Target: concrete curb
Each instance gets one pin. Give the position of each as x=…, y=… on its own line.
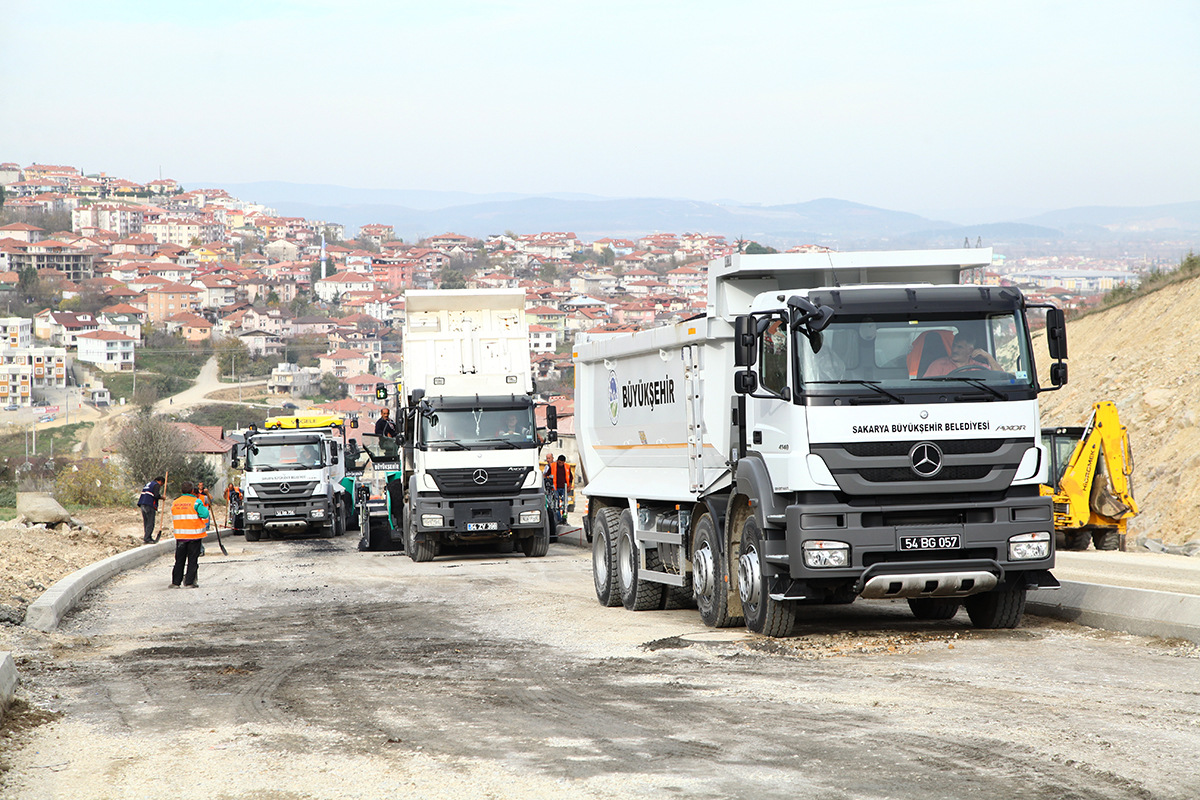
x=572, y=536
x=1139, y=611
x=47, y=611
x=8, y=683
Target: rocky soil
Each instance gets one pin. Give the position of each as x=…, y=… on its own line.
x=1145, y=357
x=33, y=558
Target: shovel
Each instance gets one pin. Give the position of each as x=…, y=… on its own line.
x=162, y=510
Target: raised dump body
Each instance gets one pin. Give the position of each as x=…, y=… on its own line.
x=813, y=439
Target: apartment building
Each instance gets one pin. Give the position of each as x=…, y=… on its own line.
x=24, y=369
x=109, y=351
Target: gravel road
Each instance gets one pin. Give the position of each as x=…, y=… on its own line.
x=305, y=669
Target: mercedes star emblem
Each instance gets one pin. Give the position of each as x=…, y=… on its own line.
x=926, y=458
x=284, y=488
x=479, y=476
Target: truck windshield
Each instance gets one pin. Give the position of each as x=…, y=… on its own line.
x=477, y=428
x=891, y=355
x=292, y=454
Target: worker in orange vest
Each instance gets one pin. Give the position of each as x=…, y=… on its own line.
x=188, y=515
x=561, y=480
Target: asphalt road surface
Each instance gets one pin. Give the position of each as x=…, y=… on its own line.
x=306, y=669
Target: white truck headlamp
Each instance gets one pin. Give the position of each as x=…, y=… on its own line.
x=317, y=513
x=823, y=553
x=433, y=520
x=1029, y=546
x=253, y=516
x=530, y=517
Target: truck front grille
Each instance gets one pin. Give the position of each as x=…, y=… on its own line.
x=479, y=481
x=886, y=468
x=276, y=491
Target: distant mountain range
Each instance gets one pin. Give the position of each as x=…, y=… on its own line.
x=836, y=223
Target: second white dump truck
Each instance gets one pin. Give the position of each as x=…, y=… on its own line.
x=466, y=468
x=837, y=425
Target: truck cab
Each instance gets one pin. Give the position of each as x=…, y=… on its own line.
x=294, y=478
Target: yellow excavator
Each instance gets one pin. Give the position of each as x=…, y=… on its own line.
x=1092, y=468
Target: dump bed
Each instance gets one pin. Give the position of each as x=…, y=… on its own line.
x=464, y=342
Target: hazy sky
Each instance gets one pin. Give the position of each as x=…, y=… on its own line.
x=914, y=105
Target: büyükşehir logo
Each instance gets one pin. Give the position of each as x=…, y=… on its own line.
x=614, y=397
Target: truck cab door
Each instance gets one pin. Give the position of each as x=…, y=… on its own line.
x=769, y=410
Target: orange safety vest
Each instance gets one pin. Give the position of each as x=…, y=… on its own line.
x=188, y=523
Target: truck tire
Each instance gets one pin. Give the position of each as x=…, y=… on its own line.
x=506, y=545
x=1106, y=539
x=604, y=560
x=999, y=608
x=709, y=578
x=636, y=594
x=934, y=607
x=417, y=550
x=763, y=615
x=252, y=534
x=1078, y=540
x=538, y=545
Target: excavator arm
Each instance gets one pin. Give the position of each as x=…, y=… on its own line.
x=1095, y=489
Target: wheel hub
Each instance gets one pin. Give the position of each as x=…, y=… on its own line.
x=749, y=577
x=702, y=571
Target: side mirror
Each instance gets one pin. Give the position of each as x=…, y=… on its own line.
x=353, y=422
x=551, y=436
x=1058, y=374
x=745, y=341
x=745, y=381
x=234, y=463
x=1056, y=333
x=552, y=417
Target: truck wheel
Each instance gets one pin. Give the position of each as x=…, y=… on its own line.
x=1078, y=540
x=419, y=551
x=604, y=560
x=252, y=534
x=1106, y=539
x=709, y=578
x=934, y=607
x=537, y=545
x=999, y=608
x=636, y=594
x=763, y=615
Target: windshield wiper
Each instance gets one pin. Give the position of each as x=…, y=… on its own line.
x=453, y=444
x=873, y=385
x=973, y=381
x=508, y=442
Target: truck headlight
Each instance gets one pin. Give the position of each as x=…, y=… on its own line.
x=1029, y=546
x=530, y=517
x=433, y=520
x=253, y=516
x=318, y=513
x=823, y=553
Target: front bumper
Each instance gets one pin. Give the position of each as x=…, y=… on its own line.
x=480, y=517
x=299, y=515
x=878, y=567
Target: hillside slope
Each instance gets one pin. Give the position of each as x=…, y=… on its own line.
x=1145, y=357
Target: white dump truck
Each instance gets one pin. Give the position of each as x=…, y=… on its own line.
x=465, y=465
x=294, y=479
x=837, y=425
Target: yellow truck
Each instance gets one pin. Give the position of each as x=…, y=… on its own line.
x=1092, y=468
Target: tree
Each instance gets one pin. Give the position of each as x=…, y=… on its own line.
x=452, y=279
x=27, y=280
x=754, y=248
x=230, y=352
x=548, y=273
x=273, y=298
x=332, y=387
x=150, y=446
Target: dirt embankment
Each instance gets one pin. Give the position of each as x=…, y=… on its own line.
x=1145, y=357
x=34, y=558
